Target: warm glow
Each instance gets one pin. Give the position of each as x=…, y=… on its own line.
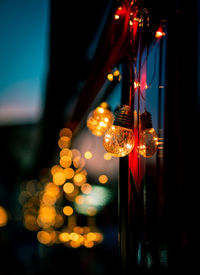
x=69, y=173
x=3, y=217
x=48, y=212
x=55, y=169
x=79, y=199
x=48, y=199
x=128, y=146
x=44, y=237
x=71, y=196
x=102, y=124
x=59, y=178
x=99, y=237
x=80, y=236
x=79, y=162
x=42, y=200
x=88, y=243
x=75, y=153
x=116, y=16
x=88, y=155
x=159, y=33
x=59, y=221
x=64, y=237
x=66, y=152
x=119, y=141
x=136, y=84
x=78, y=230
x=64, y=142
x=74, y=244
x=103, y=179
x=148, y=143
x=100, y=119
x=86, y=229
x=74, y=236
x=68, y=210
x=107, y=156
x=68, y=187
x=65, y=132
x=91, y=236
x=100, y=110
x=52, y=190
x=91, y=211
x=46, y=216
x=110, y=77
x=116, y=73
x=65, y=161
x=79, y=179
x=86, y=188
x=30, y=222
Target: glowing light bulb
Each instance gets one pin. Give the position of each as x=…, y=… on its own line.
x=100, y=119
x=148, y=144
x=119, y=139
x=159, y=33
x=110, y=77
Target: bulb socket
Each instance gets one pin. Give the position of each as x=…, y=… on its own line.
x=145, y=120
x=124, y=117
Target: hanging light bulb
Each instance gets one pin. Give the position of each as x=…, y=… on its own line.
x=148, y=144
x=119, y=138
x=100, y=119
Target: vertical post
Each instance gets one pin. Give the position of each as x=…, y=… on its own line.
x=124, y=241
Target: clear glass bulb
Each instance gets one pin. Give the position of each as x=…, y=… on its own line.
x=118, y=141
x=148, y=145
x=99, y=120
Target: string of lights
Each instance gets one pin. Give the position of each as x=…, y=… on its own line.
x=117, y=136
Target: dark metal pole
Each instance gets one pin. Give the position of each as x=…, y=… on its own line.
x=124, y=241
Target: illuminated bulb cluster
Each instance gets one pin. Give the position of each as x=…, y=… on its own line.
x=71, y=236
x=80, y=236
x=100, y=119
x=112, y=76
x=41, y=199
x=148, y=142
x=119, y=139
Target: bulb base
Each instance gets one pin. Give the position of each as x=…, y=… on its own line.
x=145, y=120
x=124, y=117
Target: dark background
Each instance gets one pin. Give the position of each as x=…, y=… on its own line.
x=26, y=148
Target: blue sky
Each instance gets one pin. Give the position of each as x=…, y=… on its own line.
x=24, y=35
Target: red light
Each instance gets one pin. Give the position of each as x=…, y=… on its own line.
x=136, y=84
x=135, y=163
x=159, y=33
x=121, y=11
